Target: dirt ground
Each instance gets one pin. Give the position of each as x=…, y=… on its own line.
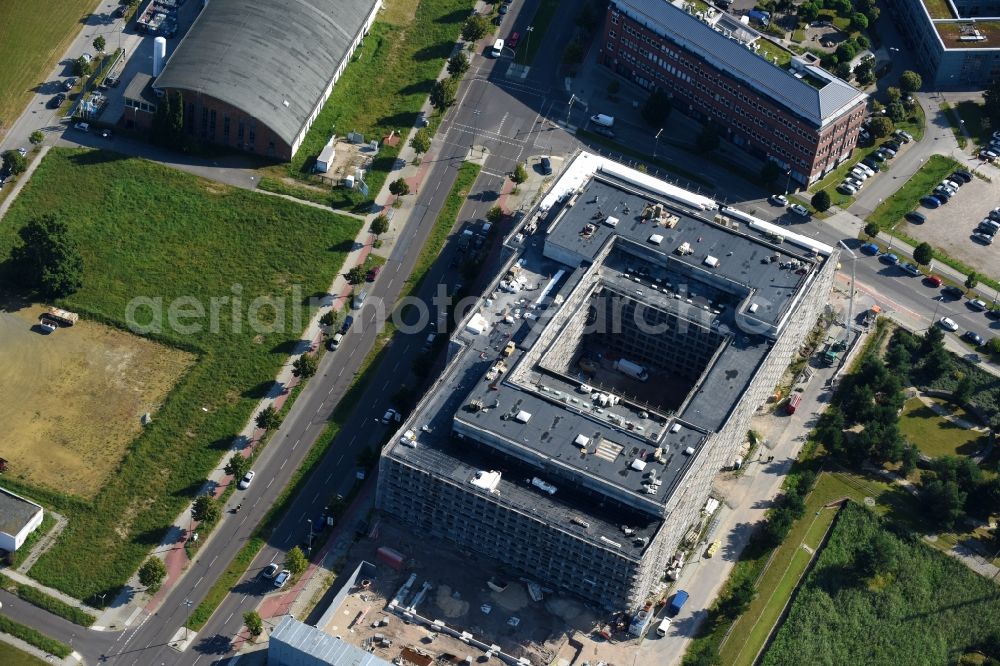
x=72, y=400
x=553, y=630
x=950, y=227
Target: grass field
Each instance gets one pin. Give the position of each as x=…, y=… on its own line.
x=383, y=88
x=148, y=231
x=11, y=656
x=31, y=43
x=935, y=435
x=919, y=607
x=82, y=391
x=907, y=197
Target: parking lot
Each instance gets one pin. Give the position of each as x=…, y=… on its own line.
x=950, y=227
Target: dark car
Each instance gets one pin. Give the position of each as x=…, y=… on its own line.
x=963, y=176
x=503, y=9
x=546, y=165
x=941, y=199
x=916, y=217
x=930, y=202
x=941, y=192
x=878, y=156
x=348, y=320
x=973, y=337
x=604, y=131
x=871, y=164
x=372, y=273
x=870, y=248
x=994, y=313
x=892, y=145
x=953, y=291
x=57, y=101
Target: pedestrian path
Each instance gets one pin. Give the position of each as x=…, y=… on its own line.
x=22, y=180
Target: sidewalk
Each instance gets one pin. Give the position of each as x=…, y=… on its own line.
x=34, y=161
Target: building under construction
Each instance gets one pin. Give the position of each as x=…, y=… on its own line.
x=607, y=375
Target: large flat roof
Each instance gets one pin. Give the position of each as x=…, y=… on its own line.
x=536, y=418
x=817, y=106
x=15, y=512
x=317, y=646
x=273, y=60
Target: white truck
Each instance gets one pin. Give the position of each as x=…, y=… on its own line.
x=633, y=370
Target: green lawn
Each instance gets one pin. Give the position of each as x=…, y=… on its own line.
x=836, y=177
x=976, y=122
x=907, y=197
x=935, y=435
x=11, y=656
x=771, y=51
x=382, y=89
x=919, y=607
x=146, y=230
x=914, y=122
x=31, y=43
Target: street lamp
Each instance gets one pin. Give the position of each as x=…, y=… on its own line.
x=310, y=546
x=850, y=302
x=788, y=180
x=657, y=143
x=475, y=130
x=188, y=603
x=527, y=39
x=569, y=107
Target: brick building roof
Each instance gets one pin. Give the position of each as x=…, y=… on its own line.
x=272, y=59
x=816, y=105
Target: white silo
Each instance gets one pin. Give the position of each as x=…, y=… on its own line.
x=159, y=54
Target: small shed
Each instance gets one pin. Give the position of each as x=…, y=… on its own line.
x=326, y=157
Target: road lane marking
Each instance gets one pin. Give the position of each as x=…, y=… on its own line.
x=213, y=561
x=282, y=464
x=196, y=584
x=269, y=483
x=340, y=458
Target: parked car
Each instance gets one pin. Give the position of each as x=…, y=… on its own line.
x=859, y=173
x=942, y=192
x=911, y=268
x=864, y=167
x=973, y=337
x=546, y=165
x=870, y=248
x=390, y=416
x=889, y=258
x=847, y=189
x=887, y=150
x=878, y=156
x=985, y=239
x=916, y=217
x=933, y=280
x=514, y=38
x=799, y=209
x=953, y=184
x=270, y=571
x=373, y=273
x=987, y=155
x=69, y=83
x=854, y=181
x=871, y=163
x=964, y=176
x=942, y=199
x=604, y=131
x=948, y=324
x=953, y=291
x=929, y=201
x=57, y=100
x=905, y=136
x=246, y=480
x=778, y=200
x=282, y=578
x=348, y=320
x=977, y=305
x=891, y=145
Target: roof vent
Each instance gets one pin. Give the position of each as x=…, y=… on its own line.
x=285, y=103
x=638, y=465
x=711, y=261
x=656, y=239
x=523, y=416
x=611, y=221
x=581, y=440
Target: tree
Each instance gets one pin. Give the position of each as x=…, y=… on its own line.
x=520, y=173
x=842, y=7
x=48, y=259
x=910, y=81
x=328, y=319
x=268, y=418
x=846, y=52
x=865, y=71
x=356, y=275
x=738, y=599
x=238, y=466
x=168, y=121
x=821, y=201
x=859, y=21
x=991, y=103
x=36, y=138
x=82, y=66
x=254, y=623
x=458, y=64
x=910, y=458
x=972, y=280
x=475, y=28
x=932, y=339
x=656, y=108
x=151, y=574
x=963, y=390
x=295, y=561
x=993, y=347
x=380, y=225
x=843, y=70
x=205, y=509
x=99, y=43
x=808, y=12
x=399, y=187
x=443, y=93
x=708, y=138
x=871, y=230
x=893, y=94
x=896, y=111
x=943, y=501
x=494, y=215
x=878, y=556
x=923, y=254
x=421, y=141
x=305, y=366
x=15, y=162
x=881, y=127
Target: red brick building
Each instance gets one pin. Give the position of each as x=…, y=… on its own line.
x=803, y=118
x=255, y=75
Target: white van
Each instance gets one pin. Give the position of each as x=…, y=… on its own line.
x=497, y=48
x=603, y=120
x=335, y=341
x=664, y=625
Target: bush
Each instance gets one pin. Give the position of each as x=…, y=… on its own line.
x=151, y=574
x=55, y=606
x=458, y=64
x=821, y=201
x=910, y=81
x=475, y=28
x=295, y=561
x=15, y=162
x=33, y=637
